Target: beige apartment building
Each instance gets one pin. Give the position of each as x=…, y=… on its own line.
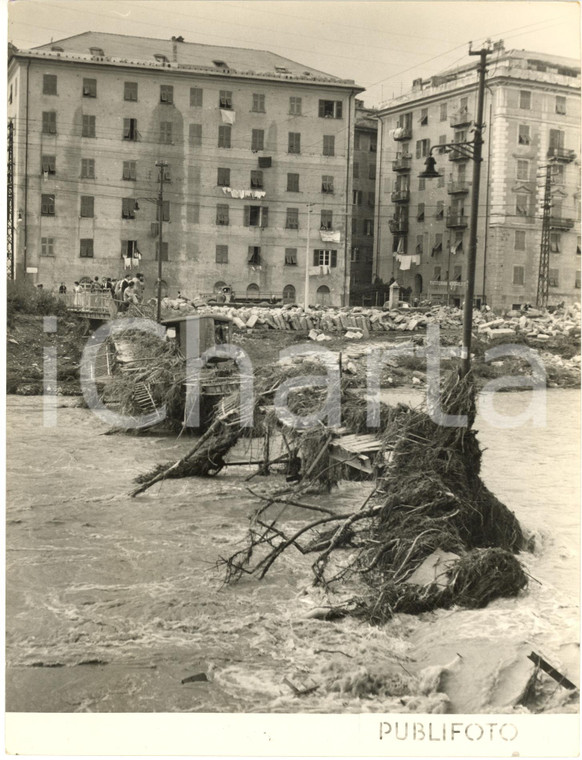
x=532, y=120
x=257, y=147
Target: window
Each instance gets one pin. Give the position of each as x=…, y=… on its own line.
x=128, y=208
x=196, y=97
x=329, y=145
x=420, y=213
x=424, y=117
x=519, y=241
x=577, y=280
x=522, y=169
x=442, y=141
x=254, y=258
x=372, y=199
x=256, y=178
x=330, y=109
x=166, y=128
x=440, y=210
x=49, y=84
x=421, y=183
x=221, y=256
x=257, y=139
x=47, y=246
x=554, y=278
x=256, y=216
x=89, y=88
x=129, y=170
x=224, y=133
x=290, y=257
x=358, y=141
x=525, y=100
x=295, y=106
x=294, y=144
x=165, y=253
x=357, y=197
x=518, y=275
x=356, y=170
x=438, y=243
x=292, y=183
x=354, y=226
x=195, y=135
x=96, y=51
x=166, y=94
x=419, y=243
x=372, y=171
x=437, y=273
x=561, y=104
x=521, y=205
x=368, y=227
x=326, y=219
x=355, y=254
x=373, y=145
x=292, y=219
x=48, y=164
x=324, y=258
x=128, y=248
x=327, y=184
x=87, y=206
x=88, y=129
x=258, y=103
x=458, y=272
x=443, y=112
x=130, y=91
x=556, y=138
x=223, y=177
x=422, y=148
x=555, y=242
x=222, y=215
x=165, y=212
x=47, y=205
x=87, y=168
x=225, y=99
x=558, y=174
x=130, y=129
x=523, y=135
x=289, y=294
x=86, y=248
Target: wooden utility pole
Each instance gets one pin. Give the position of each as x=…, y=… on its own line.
x=162, y=165
x=307, y=259
x=10, y=203
x=544, y=270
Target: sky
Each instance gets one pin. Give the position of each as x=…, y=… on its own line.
x=381, y=45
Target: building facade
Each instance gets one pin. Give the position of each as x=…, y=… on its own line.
x=363, y=204
x=255, y=146
x=532, y=121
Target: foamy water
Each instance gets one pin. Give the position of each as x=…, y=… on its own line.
x=113, y=601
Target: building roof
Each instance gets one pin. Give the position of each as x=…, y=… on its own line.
x=177, y=54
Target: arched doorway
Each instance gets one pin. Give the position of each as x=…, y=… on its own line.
x=417, y=284
x=289, y=294
x=253, y=291
x=163, y=289
x=323, y=296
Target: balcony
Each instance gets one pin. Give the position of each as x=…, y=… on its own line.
x=400, y=196
x=461, y=118
x=564, y=155
x=456, y=219
x=458, y=188
x=398, y=226
x=561, y=223
x=403, y=133
x=458, y=154
x=402, y=163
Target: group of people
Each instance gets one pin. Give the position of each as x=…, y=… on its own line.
x=128, y=290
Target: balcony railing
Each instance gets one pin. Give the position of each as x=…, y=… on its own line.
x=403, y=133
x=456, y=219
x=458, y=154
x=458, y=188
x=398, y=226
x=461, y=118
x=561, y=223
x=400, y=196
x=402, y=164
x=562, y=154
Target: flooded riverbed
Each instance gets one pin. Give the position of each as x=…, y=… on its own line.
x=112, y=602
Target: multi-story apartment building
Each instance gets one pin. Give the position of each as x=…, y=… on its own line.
x=532, y=119
x=363, y=203
x=254, y=143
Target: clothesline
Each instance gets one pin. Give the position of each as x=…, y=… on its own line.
x=257, y=194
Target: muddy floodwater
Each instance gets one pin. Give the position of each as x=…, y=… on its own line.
x=112, y=602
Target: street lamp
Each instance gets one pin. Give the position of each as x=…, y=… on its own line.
x=472, y=150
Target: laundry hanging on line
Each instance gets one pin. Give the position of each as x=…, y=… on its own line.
x=228, y=117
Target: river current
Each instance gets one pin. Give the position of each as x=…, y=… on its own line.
x=113, y=602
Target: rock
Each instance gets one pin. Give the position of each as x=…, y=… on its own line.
x=313, y=334
x=415, y=381
x=503, y=332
